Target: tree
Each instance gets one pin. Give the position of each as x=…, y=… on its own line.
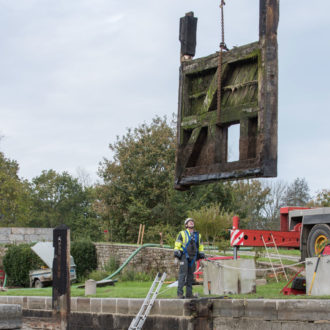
x=138, y=186
x=249, y=198
x=138, y=181
x=273, y=203
x=212, y=222
x=14, y=194
x=60, y=198
x=297, y=193
x=322, y=199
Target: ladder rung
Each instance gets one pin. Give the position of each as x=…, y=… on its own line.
x=140, y=318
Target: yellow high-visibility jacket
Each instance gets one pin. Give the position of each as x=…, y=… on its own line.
x=183, y=239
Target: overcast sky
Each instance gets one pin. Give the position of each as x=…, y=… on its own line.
x=77, y=73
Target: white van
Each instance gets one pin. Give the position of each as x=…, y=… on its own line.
x=44, y=276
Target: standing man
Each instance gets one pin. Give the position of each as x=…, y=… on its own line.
x=188, y=249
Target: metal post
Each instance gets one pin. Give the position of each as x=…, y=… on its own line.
x=235, y=226
x=235, y=252
x=61, y=276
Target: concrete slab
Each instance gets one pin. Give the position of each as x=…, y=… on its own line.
x=303, y=310
x=134, y=306
x=73, y=304
x=321, y=285
x=96, y=305
x=49, y=303
x=260, y=308
x=18, y=300
x=229, y=276
x=304, y=326
x=83, y=305
x=122, y=306
x=172, y=307
x=109, y=305
x=222, y=323
x=3, y=299
x=36, y=303
x=228, y=307
x=10, y=316
x=155, y=310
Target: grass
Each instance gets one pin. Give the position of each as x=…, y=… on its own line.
x=275, y=261
x=129, y=289
x=292, y=252
x=140, y=289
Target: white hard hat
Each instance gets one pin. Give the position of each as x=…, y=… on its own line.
x=187, y=220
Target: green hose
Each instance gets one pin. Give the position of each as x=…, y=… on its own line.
x=130, y=258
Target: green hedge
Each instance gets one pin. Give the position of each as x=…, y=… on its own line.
x=18, y=261
x=84, y=255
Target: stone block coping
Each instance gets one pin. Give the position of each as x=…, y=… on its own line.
x=263, y=309
x=10, y=316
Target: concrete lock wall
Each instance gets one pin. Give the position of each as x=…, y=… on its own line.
x=10, y=316
x=196, y=314
x=253, y=314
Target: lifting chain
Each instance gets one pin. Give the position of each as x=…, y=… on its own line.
x=222, y=48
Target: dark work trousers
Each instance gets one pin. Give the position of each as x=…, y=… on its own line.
x=186, y=276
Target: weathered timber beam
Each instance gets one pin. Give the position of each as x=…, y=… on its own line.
x=241, y=53
x=268, y=93
x=241, y=85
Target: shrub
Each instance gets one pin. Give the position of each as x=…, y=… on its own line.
x=223, y=245
x=169, y=233
x=98, y=275
x=112, y=265
x=18, y=261
x=212, y=222
x=84, y=255
x=130, y=274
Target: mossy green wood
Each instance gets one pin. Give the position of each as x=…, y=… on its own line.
x=248, y=98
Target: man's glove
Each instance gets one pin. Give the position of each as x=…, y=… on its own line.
x=201, y=255
x=177, y=254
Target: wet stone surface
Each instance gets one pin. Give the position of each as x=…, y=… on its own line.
x=37, y=323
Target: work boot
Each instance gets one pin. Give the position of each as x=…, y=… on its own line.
x=180, y=296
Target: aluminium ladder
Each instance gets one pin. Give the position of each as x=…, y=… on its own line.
x=278, y=257
x=140, y=318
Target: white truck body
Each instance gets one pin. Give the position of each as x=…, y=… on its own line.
x=44, y=276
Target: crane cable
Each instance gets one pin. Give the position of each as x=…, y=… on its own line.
x=223, y=47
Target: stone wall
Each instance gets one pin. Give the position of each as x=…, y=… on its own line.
x=149, y=259
x=9, y=235
x=279, y=314
x=10, y=316
x=195, y=314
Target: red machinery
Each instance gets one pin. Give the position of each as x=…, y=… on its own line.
x=2, y=277
x=303, y=228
